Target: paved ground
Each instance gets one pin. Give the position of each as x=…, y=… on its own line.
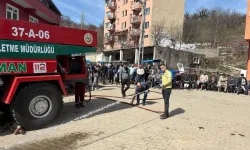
x=200, y=120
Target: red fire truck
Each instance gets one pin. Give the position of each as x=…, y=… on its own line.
x=36, y=62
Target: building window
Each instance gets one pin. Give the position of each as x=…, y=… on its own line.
x=107, y=25
x=196, y=60
x=12, y=12
x=125, y=1
x=146, y=25
x=124, y=25
x=33, y=19
x=106, y=35
x=124, y=13
x=147, y=11
x=108, y=14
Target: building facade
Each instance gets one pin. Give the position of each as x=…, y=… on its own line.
x=123, y=20
x=36, y=11
x=247, y=37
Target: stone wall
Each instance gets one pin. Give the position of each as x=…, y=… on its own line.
x=172, y=57
x=209, y=53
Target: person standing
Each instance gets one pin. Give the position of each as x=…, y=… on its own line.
x=140, y=74
x=124, y=77
x=166, y=90
x=96, y=78
x=111, y=73
x=117, y=72
x=132, y=73
x=173, y=77
x=147, y=71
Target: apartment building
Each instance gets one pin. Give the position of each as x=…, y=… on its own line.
x=36, y=11
x=123, y=20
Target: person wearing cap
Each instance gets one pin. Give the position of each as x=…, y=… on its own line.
x=166, y=90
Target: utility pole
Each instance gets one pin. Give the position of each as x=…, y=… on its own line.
x=82, y=19
x=141, y=42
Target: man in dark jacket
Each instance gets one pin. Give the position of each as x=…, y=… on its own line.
x=111, y=73
x=242, y=84
x=194, y=79
x=147, y=71
x=124, y=77
x=141, y=87
x=186, y=81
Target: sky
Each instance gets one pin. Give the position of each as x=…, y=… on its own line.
x=94, y=9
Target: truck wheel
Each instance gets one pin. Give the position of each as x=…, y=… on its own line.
x=36, y=105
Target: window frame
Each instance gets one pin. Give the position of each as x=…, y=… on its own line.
x=146, y=27
x=34, y=18
x=12, y=11
x=147, y=11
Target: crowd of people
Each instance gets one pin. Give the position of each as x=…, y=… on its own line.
x=121, y=74
x=213, y=82
x=125, y=75
x=147, y=76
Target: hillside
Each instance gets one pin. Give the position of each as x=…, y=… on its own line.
x=222, y=29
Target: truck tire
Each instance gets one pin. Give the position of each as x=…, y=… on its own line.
x=36, y=105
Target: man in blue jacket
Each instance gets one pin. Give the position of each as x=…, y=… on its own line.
x=141, y=87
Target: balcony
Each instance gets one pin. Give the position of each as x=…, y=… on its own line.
x=137, y=6
x=111, y=16
x=108, y=39
x=135, y=20
x=111, y=27
x=111, y=5
x=135, y=32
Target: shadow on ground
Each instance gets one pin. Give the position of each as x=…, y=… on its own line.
x=151, y=102
x=70, y=113
x=177, y=111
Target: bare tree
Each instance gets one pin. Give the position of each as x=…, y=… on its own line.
x=157, y=32
x=157, y=35
x=100, y=37
x=175, y=34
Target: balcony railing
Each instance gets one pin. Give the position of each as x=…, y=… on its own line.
x=111, y=16
x=135, y=32
x=111, y=5
x=111, y=27
x=137, y=6
x=135, y=20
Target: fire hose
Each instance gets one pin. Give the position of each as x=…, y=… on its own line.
x=127, y=97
